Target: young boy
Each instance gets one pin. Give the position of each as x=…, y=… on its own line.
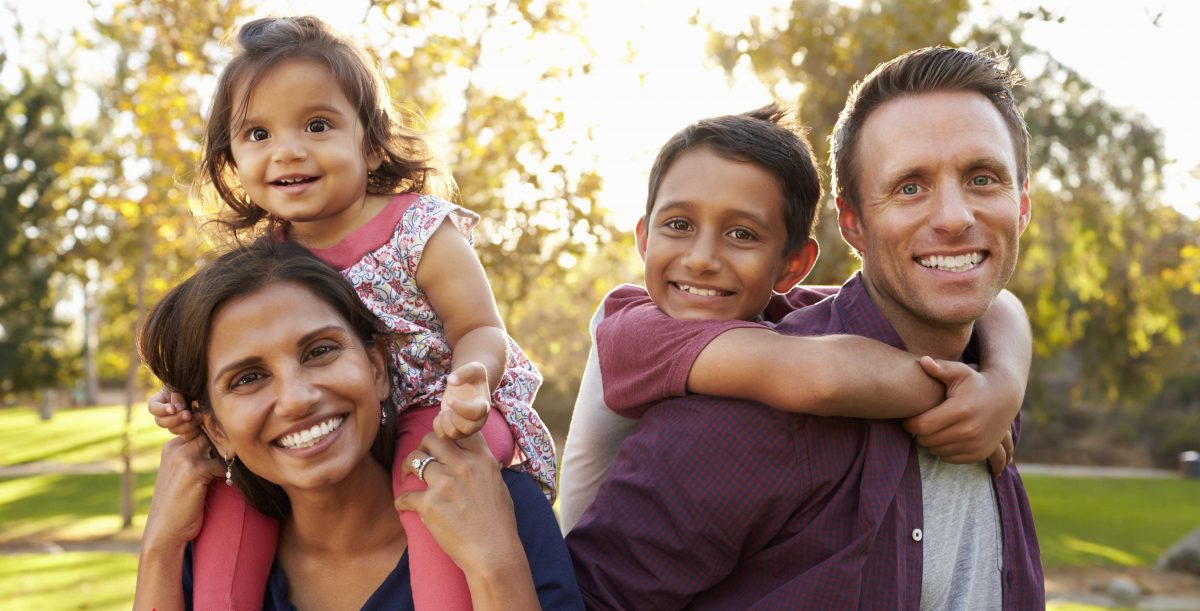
x=732, y=201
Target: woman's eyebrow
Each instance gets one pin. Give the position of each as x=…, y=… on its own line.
x=315, y=333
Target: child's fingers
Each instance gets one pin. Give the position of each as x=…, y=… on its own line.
x=471, y=373
x=998, y=460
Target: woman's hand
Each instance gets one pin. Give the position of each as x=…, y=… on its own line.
x=469, y=511
x=177, y=509
x=176, y=513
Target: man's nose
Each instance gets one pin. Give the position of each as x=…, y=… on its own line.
x=953, y=212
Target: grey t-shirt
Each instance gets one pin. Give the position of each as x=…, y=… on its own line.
x=961, y=544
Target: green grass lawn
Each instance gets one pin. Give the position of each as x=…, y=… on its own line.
x=69, y=580
x=83, y=435
x=1110, y=522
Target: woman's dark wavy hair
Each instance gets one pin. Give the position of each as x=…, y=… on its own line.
x=407, y=167
x=174, y=340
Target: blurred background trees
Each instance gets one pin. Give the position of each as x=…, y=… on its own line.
x=94, y=206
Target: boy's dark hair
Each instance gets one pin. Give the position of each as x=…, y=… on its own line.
x=762, y=137
x=168, y=342
x=924, y=71
x=408, y=165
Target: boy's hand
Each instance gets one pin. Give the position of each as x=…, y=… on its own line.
x=1002, y=456
x=465, y=403
x=969, y=425
x=169, y=413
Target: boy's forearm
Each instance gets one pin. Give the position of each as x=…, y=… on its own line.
x=837, y=375
x=487, y=345
x=1006, y=345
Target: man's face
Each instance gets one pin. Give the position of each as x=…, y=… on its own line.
x=941, y=209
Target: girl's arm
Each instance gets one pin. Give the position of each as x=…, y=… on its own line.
x=453, y=279
x=176, y=514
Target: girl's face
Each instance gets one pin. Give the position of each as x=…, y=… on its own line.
x=299, y=150
x=296, y=395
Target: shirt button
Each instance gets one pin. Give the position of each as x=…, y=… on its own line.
x=917, y=534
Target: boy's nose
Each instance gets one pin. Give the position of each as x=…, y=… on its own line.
x=702, y=256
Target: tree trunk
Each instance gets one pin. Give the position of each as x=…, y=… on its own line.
x=131, y=385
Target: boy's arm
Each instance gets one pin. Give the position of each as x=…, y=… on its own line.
x=981, y=408
x=833, y=375
x=595, y=435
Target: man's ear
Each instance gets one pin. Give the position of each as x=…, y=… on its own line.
x=640, y=232
x=797, y=264
x=850, y=222
x=1025, y=210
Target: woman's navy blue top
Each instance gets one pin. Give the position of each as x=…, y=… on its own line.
x=548, y=560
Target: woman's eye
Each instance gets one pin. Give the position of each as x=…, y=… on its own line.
x=910, y=189
x=244, y=379
x=677, y=225
x=319, y=125
x=322, y=350
x=257, y=134
x=981, y=181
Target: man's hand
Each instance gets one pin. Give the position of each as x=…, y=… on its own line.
x=169, y=413
x=971, y=423
x=465, y=403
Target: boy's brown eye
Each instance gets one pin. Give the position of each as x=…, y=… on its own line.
x=677, y=224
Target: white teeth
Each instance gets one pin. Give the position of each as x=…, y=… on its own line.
x=310, y=436
x=957, y=263
x=290, y=181
x=699, y=291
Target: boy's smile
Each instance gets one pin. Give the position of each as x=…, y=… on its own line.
x=713, y=246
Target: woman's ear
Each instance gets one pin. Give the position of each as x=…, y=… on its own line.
x=377, y=352
x=212, y=427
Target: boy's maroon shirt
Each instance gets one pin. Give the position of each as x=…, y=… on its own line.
x=721, y=503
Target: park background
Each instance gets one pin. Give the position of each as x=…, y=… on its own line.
x=548, y=114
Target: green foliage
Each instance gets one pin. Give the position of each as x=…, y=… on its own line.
x=1110, y=522
x=36, y=144
x=99, y=581
x=509, y=155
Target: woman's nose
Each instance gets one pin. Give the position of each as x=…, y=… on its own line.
x=297, y=395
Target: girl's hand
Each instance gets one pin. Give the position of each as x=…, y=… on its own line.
x=169, y=413
x=177, y=509
x=465, y=403
x=970, y=424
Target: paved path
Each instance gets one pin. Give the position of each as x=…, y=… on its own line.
x=1086, y=471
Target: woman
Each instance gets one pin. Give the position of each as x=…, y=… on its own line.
x=293, y=393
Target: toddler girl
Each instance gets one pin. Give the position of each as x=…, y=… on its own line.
x=304, y=144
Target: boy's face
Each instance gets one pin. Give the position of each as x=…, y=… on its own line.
x=713, y=245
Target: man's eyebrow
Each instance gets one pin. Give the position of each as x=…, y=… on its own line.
x=993, y=165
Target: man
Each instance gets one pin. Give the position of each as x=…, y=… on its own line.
x=716, y=503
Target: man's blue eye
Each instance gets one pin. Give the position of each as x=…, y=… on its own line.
x=910, y=189
x=981, y=181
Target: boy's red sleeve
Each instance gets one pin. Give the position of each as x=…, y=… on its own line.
x=645, y=355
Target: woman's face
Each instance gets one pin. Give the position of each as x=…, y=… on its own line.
x=295, y=393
